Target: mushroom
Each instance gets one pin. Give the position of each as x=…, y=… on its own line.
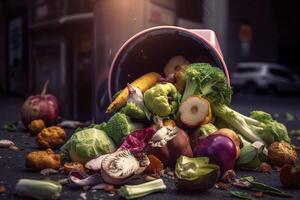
x=119, y=167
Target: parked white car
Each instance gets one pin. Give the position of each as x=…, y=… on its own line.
x=249, y=77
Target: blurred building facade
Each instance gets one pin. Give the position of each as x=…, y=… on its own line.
x=13, y=45
x=72, y=42
x=60, y=45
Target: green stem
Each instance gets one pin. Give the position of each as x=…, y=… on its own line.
x=190, y=89
x=136, y=191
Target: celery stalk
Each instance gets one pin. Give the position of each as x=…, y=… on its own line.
x=38, y=189
x=136, y=191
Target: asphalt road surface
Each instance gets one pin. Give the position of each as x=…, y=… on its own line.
x=12, y=163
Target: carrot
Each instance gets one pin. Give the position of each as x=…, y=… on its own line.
x=143, y=83
x=169, y=122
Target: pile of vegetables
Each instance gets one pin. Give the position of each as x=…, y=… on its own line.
x=182, y=121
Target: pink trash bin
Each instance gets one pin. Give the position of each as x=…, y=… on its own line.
x=151, y=49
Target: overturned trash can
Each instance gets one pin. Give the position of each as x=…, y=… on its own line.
x=151, y=49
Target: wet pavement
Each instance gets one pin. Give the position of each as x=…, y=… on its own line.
x=12, y=163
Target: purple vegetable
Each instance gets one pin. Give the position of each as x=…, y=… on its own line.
x=138, y=140
x=79, y=179
x=43, y=106
x=220, y=150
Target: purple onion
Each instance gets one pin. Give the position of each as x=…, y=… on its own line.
x=220, y=150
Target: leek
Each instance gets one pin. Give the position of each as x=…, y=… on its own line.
x=38, y=189
x=136, y=191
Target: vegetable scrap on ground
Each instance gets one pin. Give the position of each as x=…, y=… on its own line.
x=180, y=124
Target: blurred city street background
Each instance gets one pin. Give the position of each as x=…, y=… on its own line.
x=72, y=44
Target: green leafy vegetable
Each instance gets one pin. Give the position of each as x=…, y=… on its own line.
x=210, y=82
x=11, y=127
x=250, y=183
x=86, y=144
x=206, y=81
x=269, y=130
x=241, y=195
x=137, y=191
x=289, y=116
x=119, y=126
x=134, y=111
x=101, y=126
x=251, y=155
x=260, y=126
x=135, y=107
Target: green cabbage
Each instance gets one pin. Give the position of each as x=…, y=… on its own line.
x=86, y=145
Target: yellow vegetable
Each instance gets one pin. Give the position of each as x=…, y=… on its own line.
x=169, y=122
x=143, y=83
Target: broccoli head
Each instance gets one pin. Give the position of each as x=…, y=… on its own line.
x=133, y=111
x=101, y=126
x=270, y=130
x=261, y=116
x=207, y=81
x=206, y=129
x=260, y=126
x=162, y=99
x=119, y=126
